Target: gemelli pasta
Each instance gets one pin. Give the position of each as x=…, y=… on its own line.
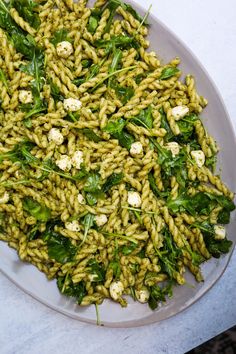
x=107, y=173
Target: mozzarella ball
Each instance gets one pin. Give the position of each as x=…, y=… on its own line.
x=80, y=199
x=56, y=136
x=101, y=219
x=136, y=148
x=199, y=157
x=64, y=49
x=64, y=163
x=116, y=290
x=4, y=198
x=25, y=96
x=77, y=159
x=134, y=199
x=142, y=295
x=72, y=104
x=173, y=147
x=220, y=232
x=179, y=112
x=72, y=225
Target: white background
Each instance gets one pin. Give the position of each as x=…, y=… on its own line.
x=208, y=27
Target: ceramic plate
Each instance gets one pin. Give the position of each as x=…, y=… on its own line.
x=217, y=121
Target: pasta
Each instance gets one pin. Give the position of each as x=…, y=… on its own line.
x=107, y=176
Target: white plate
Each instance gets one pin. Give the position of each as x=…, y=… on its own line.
x=217, y=121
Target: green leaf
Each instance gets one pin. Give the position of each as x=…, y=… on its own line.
x=68, y=288
x=3, y=78
x=134, y=13
x=59, y=36
x=116, y=129
x=123, y=93
x=144, y=118
x=40, y=211
x=91, y=199
x=88, y=223
x=115, y=266
x=92, y=183
x=89, y=133
x=128, y=249
x=158, y=294
x=55, y=92
x=97, y=270
x=27, y=10
x=217, y=247
x=20, y=153
x=113, y=180
x=168, y=72
x=92, y=24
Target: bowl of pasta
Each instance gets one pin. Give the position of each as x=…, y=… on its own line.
x=117, y=171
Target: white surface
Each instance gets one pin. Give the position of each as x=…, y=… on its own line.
x=209, y=29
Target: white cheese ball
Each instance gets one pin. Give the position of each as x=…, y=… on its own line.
x=77, y=159
x=173, y=147
x=80, y=198
x=72, y=104
x=25, y=96
x=136, y=149
x=220, y=232
x=56, y=136
x=134, y=199
x=4, y=198
x=101, y=220
x=199, y=157
x=64, y=163
x=179, y=112
x=72, y=225
x=142, y=295
x=116, y=290
x=64, y=49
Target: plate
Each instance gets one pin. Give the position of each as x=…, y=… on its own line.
x=217, y=121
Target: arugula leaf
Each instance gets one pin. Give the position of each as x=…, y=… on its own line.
x=92, y=23
x=97, y=270
x=27, y=10
x=122, y=92
x=121, y=41
x=116, y=129
x=39, y=211
x=200, y=203
x=113, y=180
x=217, y=247
x=154, y=188
x=158, y=294
x=87, y=222
x=60, y=36
x=165, y=125
x=144, y=118
x=89, y=133
x=112, y=6
x=68, y=288
x=55, y=92
x=49, y=166
x=187, y=128
x=134, y=13
x=128, y=249
x=3, y=78
x=115, y=266
x=86, y=63
x=168, y=72
x=20, y=153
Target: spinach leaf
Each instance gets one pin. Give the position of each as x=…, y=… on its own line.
x=60, y=36
x=40, y=211
x=168, y=72
x=97, y=270
x=144, y=118
x=68, y=288
x=27, y=10
x=89, y=133
x=113, y=180
x=158, y=294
